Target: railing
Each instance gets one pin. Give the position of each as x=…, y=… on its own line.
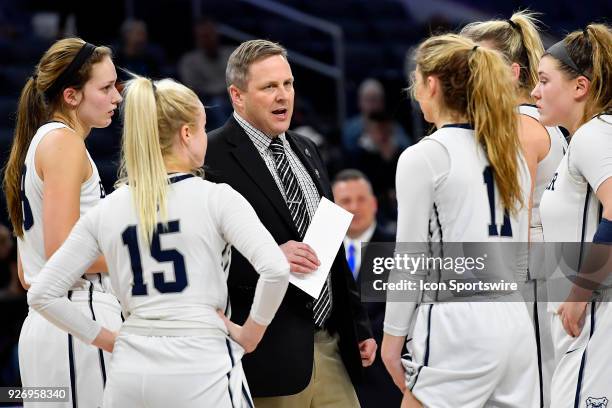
x=335, y=71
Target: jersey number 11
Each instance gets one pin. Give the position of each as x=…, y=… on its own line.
x=506, y=229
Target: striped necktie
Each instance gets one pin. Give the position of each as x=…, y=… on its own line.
x=299, y=214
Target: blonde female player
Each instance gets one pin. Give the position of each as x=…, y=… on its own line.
x=543, y=148
x=50, y=181
x=575, y=92
x=472, y=186
x=164, y=234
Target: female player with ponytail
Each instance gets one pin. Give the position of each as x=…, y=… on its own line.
x=165, y=233
x=574, y=91
x=543, y=148
x=467, y=182
x=50, y=181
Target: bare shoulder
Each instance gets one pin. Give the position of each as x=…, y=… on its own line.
x=62, y=150
x=534, y=136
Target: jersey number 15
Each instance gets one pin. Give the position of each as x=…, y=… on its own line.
x=130, y=239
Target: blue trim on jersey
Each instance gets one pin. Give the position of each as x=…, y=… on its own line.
x=247, y=396
x=73, y=389
x=229, y=387
x=536, y=323
x=426, y=358
x=100, y=351
x=458, y=125
x=603, y=235
x=176, y=179
x=435, y=207
x=584, y=221
x=583, y=360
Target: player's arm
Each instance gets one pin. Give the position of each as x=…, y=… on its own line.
x=593, y=159
x=62, y=163
x=418, y=169
x=535, y=143
x=47, y=295
x=239, y=225
x=20, y=273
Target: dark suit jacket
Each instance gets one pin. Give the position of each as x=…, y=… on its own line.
x=377, y=388
x=282, y=363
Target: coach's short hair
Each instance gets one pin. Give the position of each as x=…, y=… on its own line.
x=246, y=54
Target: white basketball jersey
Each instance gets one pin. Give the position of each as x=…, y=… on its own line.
x=468, y=207
x=547, y=166
x=31, y=245
x=179, y=279
x=569, y=208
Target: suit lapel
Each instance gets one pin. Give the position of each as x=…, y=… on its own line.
x=250, y=160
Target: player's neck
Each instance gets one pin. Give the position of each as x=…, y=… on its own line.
x=449, y=119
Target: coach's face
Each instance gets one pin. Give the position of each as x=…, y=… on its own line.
x=267, y=103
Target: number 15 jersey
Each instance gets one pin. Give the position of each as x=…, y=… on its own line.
x=178, y=280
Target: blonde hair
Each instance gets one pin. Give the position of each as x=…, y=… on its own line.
x=518, y=39
x=591, y=51
x=245, y=55
x=34, y=109
x=475, y=81
x=154, y=113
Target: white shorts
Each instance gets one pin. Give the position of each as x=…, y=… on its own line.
x=473, y=354
x=167, y=372
x=50, y=357
x=583, y=377
x=541, y=319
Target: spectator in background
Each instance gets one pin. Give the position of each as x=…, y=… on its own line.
x=377, y=154
x=353, y=192
x=135, y=53
x=371, y=100
x=203, y=70
x=9, y=280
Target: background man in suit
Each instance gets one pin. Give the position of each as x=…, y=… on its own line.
x=314, y=348
x=353, y=192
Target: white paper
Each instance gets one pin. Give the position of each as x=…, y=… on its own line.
x=325, y=235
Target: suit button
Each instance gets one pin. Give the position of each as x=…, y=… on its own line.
x=309, y=305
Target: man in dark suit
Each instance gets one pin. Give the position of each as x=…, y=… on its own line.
x=314, y=348
x=353, y=192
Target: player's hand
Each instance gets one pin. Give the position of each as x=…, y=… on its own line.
x=367, y=349
x=572, y=316
x=248, y=336
x=301, y=257
x=105, y=340
x=391, y=354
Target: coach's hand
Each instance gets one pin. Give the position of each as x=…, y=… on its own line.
x=301, y=257
x=367, y=349
x=572, y=316
x=248, y=336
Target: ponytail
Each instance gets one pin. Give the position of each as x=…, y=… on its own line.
x=491, y=110
x=31, y=113
x=531, y=50
x=142, y=160
x=153, y=115
x=518, y=39
x=475, y=81
x=600, y=97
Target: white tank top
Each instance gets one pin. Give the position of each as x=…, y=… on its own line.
x=31, y=245
x=546, y=168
